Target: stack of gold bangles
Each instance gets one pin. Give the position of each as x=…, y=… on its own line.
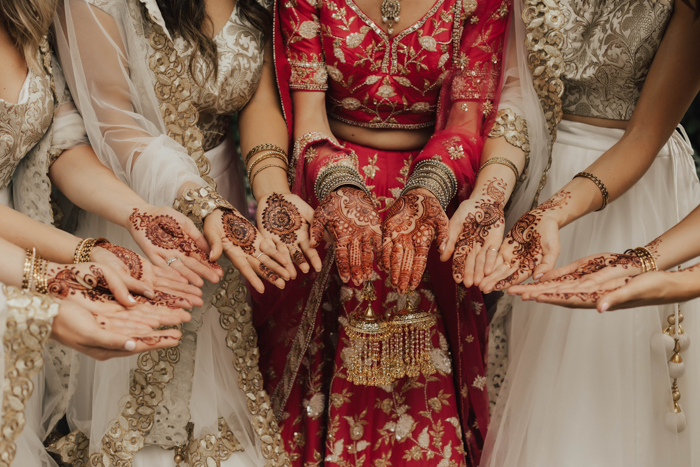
x=264, y=152
x=646, y=258
x=34, y=275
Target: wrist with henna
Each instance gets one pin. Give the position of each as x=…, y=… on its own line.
x=477, y=225
x=613, y=260
x=129, y=258
x=408, y=231
x=165, y=232
x=527, y=242
x=65, y=281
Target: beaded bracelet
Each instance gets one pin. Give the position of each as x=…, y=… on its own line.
x=267, y=155
x=599, y=184
x=84, y=249
x=263, y=147
x=335, y=177
x=39, y=275
x=28, y=268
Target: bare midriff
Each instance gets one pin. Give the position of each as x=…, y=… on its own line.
x=600, y=122
x=387, y=140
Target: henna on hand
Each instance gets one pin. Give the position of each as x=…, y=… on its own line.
x=267, y=272
x=528, y=251
x=352, y=220
x=129, y=258
x=239, y=231
x=283, y=220
x=489, y=214
x=413, y=221
x=599, y=263
x=161, y=298
x=69, y=280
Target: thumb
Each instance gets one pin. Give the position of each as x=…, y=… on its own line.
x=442, y=233
x=450, y=245
x=546, y=265
x=318, y=226
x=194, y=233
x=217, y=247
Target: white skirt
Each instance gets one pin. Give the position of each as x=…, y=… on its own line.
x=584, y=389
x=200, y=393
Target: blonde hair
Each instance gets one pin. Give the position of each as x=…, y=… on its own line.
x=27, y=22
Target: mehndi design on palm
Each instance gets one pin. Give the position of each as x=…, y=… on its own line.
x=413, y=221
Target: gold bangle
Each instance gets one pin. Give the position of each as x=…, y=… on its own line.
x=267, y=155
x=266, y=167
x=28, y=268
x=645, y=257
x=502, y=161
x=263, y=147
x=39, y=275
x=599, y=183
x=84, y=249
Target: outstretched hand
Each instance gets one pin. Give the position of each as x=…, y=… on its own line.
x=285, y=219
x=475, y=232
x=234, y=235
x=411, y=225
x=352, y=220
x=531, y=247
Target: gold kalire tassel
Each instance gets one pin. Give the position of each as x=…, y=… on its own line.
x=384, y=349
x=369, y=349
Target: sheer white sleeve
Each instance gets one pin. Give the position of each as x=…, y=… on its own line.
x=104, y=52
x=521, y=118
x=68, y=126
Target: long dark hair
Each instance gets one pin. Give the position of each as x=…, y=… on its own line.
x=186, y=18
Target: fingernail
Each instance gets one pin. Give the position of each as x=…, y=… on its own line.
x=604, y=307
x=538, y=276
x=130, y=346
x=131, y=299
x=149, y=294
x=211, y=253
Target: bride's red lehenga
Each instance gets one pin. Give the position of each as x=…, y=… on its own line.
x=410, y=81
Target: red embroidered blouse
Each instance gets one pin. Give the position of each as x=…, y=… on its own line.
x=379, y=82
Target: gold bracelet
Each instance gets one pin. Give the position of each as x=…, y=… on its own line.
x=263, y=147
x=599, y=184
x=266, y=167
x=39, y=275
x=84, y=249
x=28, y=268
x=502, y=161
x=267, y=155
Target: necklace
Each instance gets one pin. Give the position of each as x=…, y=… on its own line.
x=390, y=13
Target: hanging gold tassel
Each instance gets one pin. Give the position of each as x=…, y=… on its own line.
x=410, y=331
x=369, y=344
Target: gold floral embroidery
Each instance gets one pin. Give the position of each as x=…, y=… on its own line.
x=544, y=45
x=210, y=450
x=173, y=89
x=371, y=168
x=513, y=128
x=72, y=448
x=28, y=328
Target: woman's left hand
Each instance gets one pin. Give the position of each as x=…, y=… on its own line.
x=150, y=279
x=285, y=219
x=411, y=225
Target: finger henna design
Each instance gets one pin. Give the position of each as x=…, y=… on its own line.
x=282, y=219
x=527, y=241
x=267, y=272
x=69, y=280
x=477, y=225
x=350, y=216
x=599, y=263
x=298, y=256
x=408, y=231
x=161, y=299
x=128, y=257
x=585, y=297
x=239, y=231
x=153, y=340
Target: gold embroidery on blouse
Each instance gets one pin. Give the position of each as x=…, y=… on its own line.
x=173, y=89
x=28, y=328
x=513, y=128
x=544, y=41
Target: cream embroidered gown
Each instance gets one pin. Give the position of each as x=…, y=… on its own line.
x=582, y=388
x=157, y=126
x=33, y=133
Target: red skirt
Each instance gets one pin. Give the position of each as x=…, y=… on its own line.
x=439, y=419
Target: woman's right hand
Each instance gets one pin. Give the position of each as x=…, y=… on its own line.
x=229, y=232
x=103, y=337
x=352, y=220
x=172, y=242
x=89, y=285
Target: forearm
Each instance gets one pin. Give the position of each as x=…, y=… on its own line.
x=310, y=113
x=51, y=243
x=91, y=186
x=678, y=245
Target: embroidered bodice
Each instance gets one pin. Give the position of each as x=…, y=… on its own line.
x=372, y=80
x=608, y=49
x=23, y=124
